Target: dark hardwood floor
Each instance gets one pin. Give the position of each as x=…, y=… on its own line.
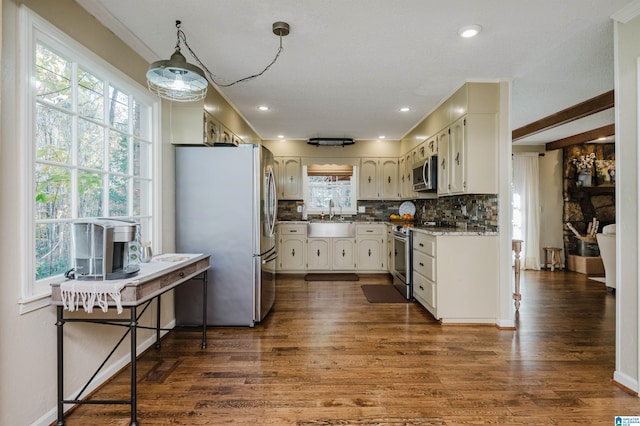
x=325, y=356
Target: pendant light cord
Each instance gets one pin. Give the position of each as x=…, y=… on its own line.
x=182, y=37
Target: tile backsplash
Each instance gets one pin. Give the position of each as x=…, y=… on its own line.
x=473, y=210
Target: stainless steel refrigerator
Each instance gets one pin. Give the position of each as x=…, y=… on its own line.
x=226, y=206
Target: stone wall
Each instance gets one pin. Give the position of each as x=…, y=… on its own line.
x=582, y=204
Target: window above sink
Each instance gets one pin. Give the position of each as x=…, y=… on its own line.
x=330, y=188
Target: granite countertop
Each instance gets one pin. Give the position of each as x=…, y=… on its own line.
x=452, y=230
x=426, y=229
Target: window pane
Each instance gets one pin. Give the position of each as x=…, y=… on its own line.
x=53, y=197
x=118, y=199
x=90, y=145
x=141, y=159
x=90, y=192
x=53, y=134
x=53, y=78
x=52, y=249
x=141, y=197
x=118, y=152
x=90, y=95
x=118, y=109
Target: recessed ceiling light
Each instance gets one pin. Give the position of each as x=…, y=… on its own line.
x=469, y=31
x=381, y=137
x=405, y=109
x=263, y=108
x=280, y=136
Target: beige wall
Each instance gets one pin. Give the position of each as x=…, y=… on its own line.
x=627, y=72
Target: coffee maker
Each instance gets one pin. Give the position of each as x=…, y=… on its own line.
x=100, y=248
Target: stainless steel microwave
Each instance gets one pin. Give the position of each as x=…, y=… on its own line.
x=425, y=175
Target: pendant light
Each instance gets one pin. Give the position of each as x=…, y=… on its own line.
x=177, y=80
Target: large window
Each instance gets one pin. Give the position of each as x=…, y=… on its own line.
x=90, y=147
x=330, y=187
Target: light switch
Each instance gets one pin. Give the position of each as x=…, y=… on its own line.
x=299, y=209
x=362, y=209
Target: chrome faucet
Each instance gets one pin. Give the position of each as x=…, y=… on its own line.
x=331, y=206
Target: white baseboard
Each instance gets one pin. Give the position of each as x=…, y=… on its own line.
x=52, y=415
x=626, y=381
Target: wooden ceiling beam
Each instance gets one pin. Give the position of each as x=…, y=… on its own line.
x=591, y=135
x=583, y=109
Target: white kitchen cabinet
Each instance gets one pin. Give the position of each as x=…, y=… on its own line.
x=455, y=277
x=371, y=246
x=292, y=240
x=343, y=254
x=379, y=179
x=443, y=162
x=288, y=171
x=470, y=163
x=319, y=254
x=389, y=248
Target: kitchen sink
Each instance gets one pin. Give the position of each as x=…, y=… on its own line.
x=331, y=229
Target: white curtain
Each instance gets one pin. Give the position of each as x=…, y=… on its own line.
x=526, y=208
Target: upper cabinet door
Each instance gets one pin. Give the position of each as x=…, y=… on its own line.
x=288, y=172
x=457, y=157
x=369, y=179
x=389, y=175
x=443, y=162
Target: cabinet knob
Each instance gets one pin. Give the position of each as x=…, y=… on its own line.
x=369, y=252
x=343, y=253
x=389, y=179
x=318, y=252
x=369, y=179
x=293, y=252
x=421, y=245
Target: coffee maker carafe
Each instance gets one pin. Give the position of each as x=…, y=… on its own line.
x=100, y=248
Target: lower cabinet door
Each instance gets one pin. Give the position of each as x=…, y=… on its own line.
x=319, y=254
x=292, y=254
x=343, y=259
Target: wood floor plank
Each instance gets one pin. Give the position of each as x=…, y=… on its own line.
x=325, y=356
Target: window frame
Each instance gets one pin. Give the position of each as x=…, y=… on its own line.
x=336, y=210
x=33, y=30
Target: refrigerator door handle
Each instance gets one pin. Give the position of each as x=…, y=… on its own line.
x=272, y=249
x=273, y=256
x=272, y=202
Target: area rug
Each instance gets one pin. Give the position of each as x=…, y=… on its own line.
x=331, y=277
x=382, y=293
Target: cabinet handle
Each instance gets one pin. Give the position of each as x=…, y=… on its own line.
x=402, y=178
x=421, y=245
x=293, y=230
x=421, y=288
x=389, y=179
x=343, y=253
x=458, y=158
x=318, y=252
x=293, y=252
x=369, y=252
x=290, y=178
x=369, y=179
x=181, y=274
x=369, y=230
x=442, y=164
x=421, y=264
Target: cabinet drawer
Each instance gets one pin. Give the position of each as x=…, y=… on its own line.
x=424, y=290
x=300, y=229
x=424, y=243
x=424, y=264
x=371, y=230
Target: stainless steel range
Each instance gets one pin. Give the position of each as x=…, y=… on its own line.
x=402, y=264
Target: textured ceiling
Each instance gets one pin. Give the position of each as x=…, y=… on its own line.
x=348, y=66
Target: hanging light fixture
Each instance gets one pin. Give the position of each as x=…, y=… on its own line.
x=177, y=80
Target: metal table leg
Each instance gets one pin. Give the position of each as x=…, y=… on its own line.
x=59, y=324
x=133, y=332
x=204, y=310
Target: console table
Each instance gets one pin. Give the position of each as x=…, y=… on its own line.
x=163, y=273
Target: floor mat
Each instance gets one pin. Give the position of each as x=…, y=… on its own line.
x=382, y=293
x=331, y=277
